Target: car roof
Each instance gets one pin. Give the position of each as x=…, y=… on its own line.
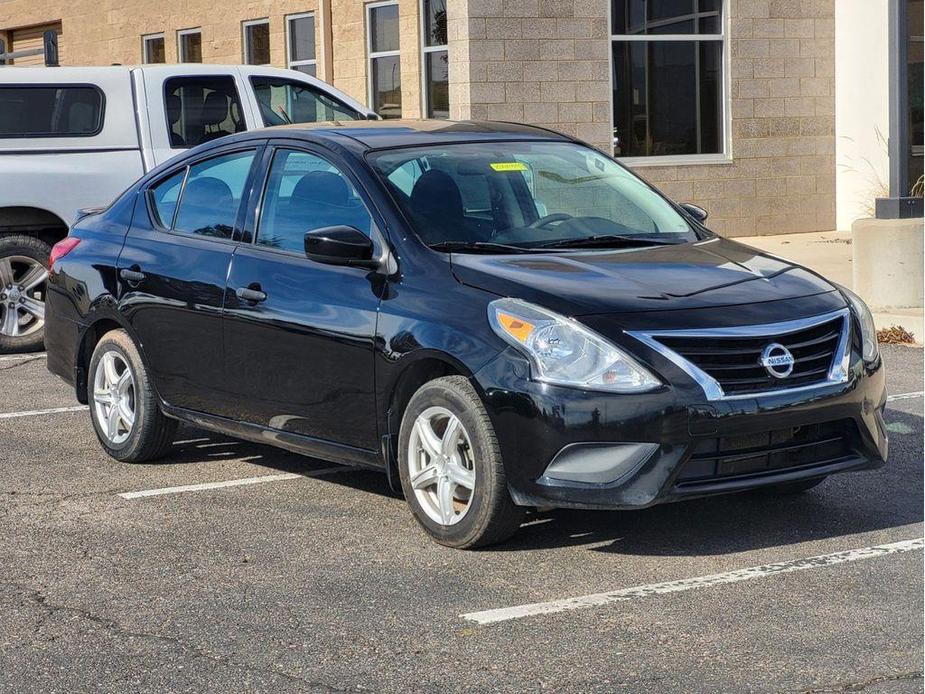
x=377, y=134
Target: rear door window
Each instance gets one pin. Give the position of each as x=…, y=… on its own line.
x=283, y=101
x=201, y=109
x=204, y=200
x=50, y=111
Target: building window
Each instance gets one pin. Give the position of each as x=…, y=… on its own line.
x=435, y=59
x=189, y=45
x=384, y=67
x=300, y=43
x=257, y=42
x=668, y=78
x=152, y=49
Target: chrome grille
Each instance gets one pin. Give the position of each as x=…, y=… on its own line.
x=727, y=361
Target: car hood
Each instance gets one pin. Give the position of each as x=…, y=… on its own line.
x=705, y=274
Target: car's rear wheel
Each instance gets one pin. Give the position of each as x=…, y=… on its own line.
x=450, y=467
x=23, y=277
x=123, y=406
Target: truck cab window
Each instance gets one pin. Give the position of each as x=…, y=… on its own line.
x=201, y=109
x=285, y=101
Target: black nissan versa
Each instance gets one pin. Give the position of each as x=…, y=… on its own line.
x=496, y=315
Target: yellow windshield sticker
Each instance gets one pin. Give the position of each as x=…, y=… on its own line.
x=508, y=166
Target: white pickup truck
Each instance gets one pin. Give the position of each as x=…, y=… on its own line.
x=71, y=137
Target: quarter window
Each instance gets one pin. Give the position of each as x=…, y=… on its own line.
x=50, y=111
x=436, y=59
x=201, y=109
x=257, y=42
x=284, y=101
x=305, y=192
x=384, y=63
x=668, y=77
x=210, y=196
x=300, y=43
x=165, y=196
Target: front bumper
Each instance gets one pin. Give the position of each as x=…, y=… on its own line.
x=682, y=445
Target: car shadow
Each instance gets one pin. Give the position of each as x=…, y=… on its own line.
x=844, y=504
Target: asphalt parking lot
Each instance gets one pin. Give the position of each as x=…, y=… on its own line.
x=191, y=575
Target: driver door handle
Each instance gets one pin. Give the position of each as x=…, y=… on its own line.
x=248, y=294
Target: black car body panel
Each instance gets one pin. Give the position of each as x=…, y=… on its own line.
x=325, y=363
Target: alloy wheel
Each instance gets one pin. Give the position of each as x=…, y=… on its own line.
x=22, y=296
x=441, y=465
x=114, y=397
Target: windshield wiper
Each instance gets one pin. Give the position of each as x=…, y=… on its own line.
x=609, y=241
x=480, y=247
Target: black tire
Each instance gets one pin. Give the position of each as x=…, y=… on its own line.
x=492, y=516
x=152, y=433
x=38, y=250
x=791, y=488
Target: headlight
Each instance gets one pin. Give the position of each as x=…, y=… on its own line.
x=564, y=352
x=870, y=349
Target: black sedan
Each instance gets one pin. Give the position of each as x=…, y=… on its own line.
x=497, y=316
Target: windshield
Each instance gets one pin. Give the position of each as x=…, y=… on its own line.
x=508, y=196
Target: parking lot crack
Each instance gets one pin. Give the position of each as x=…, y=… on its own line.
x=40, y=600
x=864, y=684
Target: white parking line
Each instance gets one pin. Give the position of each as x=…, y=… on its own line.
x=37, y=413
x=905, y=396
x=233, y=483
x=23, y=357
x=540, y=608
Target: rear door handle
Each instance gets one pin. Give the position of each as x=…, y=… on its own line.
x=248, y=294
x=130, y=275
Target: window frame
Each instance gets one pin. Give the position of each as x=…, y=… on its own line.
x=60, y=85
x=425, y=51
x=245, y=44
x=181, y=33
x=291, y=63
x=724, y=157
x=145, y=53
x=257, y=147
x=371, y=55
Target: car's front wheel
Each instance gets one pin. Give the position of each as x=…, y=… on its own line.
x=123, y=406
x=23, y=276
x=450, y=467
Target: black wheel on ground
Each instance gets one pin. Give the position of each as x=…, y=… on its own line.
x=23, y=275
x=123, y=405
x=789, y=488
x=450, y=467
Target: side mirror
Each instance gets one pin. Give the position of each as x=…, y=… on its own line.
x=697, y=213
x=340, y=245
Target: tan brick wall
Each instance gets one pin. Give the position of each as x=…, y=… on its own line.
x=536, y=61
x=782, y=177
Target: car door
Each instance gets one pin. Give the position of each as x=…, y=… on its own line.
x=172, y=272
x=299, y=350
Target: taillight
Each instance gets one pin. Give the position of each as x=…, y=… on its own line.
x=62, y=248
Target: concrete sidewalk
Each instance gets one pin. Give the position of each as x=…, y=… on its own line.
x=829, y=254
